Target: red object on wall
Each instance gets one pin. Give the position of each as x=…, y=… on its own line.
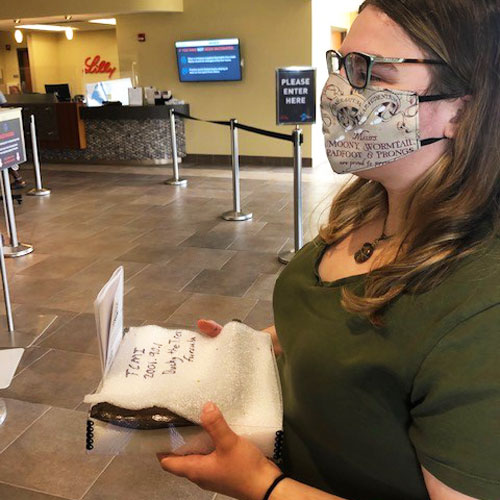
x=141, y=37
x=98, y=65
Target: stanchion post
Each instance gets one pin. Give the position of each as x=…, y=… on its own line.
x=175, y=180
x=15, y=249
x=297, y=187
x=38, y=190
x=5, y=285
x=286, y=256
x=4, y=203
x=236, y=214
x=235, y=164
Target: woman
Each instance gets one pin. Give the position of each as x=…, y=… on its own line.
x=389, y=320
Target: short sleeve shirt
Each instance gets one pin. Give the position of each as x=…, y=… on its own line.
x=365, y=407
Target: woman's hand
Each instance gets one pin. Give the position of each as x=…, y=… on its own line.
x=236, y=467
x=212, y=329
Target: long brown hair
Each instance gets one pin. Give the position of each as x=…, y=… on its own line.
x=454, y=208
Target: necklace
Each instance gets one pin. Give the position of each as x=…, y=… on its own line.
x=366, y=251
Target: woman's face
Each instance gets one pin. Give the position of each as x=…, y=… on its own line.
x=375, y=33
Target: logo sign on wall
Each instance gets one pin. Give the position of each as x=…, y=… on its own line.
x=295, y=95
x=94, y=65
x=12, y=150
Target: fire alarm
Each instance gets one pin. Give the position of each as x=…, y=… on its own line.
x=141, y=37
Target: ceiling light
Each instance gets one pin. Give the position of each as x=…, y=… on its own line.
x=42, y=27
x=110, y=20
x=18, y=35
x=68, y=18
x=17, y=21
x=69, y=33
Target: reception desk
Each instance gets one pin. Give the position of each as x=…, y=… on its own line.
x=58, y=124
x=109, y=134
x=125, y=134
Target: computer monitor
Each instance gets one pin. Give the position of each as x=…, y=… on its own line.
x=61, y=90
x=99, y=93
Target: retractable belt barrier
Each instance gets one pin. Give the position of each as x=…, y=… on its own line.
x=296, y=138
x=248, y=128
x=268, y=133
x=188, y=117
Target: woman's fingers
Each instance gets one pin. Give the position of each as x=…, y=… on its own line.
x=183, y=466
x=215, y=424
x=274, y=337
x=209, y=327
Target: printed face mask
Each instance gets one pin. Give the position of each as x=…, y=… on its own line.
x=368, y=128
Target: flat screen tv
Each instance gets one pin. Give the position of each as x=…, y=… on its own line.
x=209, y=60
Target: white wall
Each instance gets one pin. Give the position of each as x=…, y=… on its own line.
x=325, y=16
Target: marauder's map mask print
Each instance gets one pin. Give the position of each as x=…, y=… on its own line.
x=368, y=128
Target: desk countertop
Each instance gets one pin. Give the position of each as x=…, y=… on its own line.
x=111, y=112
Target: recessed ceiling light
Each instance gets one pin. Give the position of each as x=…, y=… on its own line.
x=17, y=21
x=68, y=18
x=110, y=20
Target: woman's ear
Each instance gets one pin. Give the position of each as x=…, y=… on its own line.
x=455, y=111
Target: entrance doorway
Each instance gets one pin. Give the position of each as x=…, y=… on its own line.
x=24, y=70
x=338, y=36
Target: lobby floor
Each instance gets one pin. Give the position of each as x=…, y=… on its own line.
x=182, y=262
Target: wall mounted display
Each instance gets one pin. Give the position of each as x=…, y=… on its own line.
x=209, y=60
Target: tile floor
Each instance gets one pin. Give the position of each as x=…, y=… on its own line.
x=182, y=262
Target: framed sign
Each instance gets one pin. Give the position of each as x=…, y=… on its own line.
x=295, y=95
x=12, y=149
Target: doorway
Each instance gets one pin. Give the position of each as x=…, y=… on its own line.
x=24, y=70
x=337, y=37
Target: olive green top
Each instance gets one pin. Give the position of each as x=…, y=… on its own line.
x=365, y=406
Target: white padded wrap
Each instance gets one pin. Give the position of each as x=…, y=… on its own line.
x=181, y=370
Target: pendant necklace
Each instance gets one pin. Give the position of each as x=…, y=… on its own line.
x=366, y=251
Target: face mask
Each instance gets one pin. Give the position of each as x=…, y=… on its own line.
x=371, y=127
